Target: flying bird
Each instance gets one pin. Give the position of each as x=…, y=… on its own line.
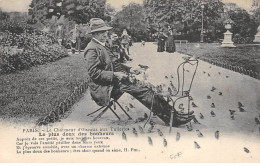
x=178, y=136
x=150, y=141
x=217, y=134
x=199, y=133
x=197, y=146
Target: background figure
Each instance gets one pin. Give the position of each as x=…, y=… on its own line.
x=118, y=49
x=170, y=45
x=125, y=39
x=59, y=33
x=76, y=41
x=161, y=42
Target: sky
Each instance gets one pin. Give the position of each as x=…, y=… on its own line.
x=23, y=5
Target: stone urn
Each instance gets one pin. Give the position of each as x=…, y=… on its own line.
x=227, y=42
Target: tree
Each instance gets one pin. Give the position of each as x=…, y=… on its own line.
x=80, y=11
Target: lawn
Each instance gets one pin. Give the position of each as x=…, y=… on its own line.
x=26, y=96
x=246, y=56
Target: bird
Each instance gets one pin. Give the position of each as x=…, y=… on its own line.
x=246, y=150
x=143, y=66
x=172, y=86
x=190, y=97
x=240, y=104
x=204, y=72
x=213, y=89
x=145, y=116
x=135, y=132
x=257, y=121
x=172, y=76
x=241, y=109
x=195, y=120
x=208, y=97
x=213, y=105
x=217, y=134
x=158, y=89
x=131, y=105
x=232, y=117
x=227, y=76
x=164, y=142
x=232, y=112
x=127, y=109
x=193, y=104
x=212, y=114
x=197, y=146
x=141, y=129
x=166, y=77
x=170, y=90
x=178, y=136
x=199, y=133
x=208, y=74
x=160, y=132
x=189, y=128
x=150, y=129
x=124, y=135
x=160, y=86
x=219, y=73
x=150, y=141
x=187, y=71
x=220, y=93
x=201, y=116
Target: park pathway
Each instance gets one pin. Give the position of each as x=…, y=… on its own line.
x=236, y=133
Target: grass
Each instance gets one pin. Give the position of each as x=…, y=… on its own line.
x=28, y=95
x=246, y=56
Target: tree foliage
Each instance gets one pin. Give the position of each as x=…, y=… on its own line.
x=80, y=11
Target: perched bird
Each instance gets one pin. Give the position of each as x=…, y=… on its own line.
x=197, y=146
x=208, y=74
x=131, y=105
x=150, y=141
x=189, y=128
x=172, y=76
x=178, y=136
x=204, y=72
x=199, y=133
x=232, y=112
x=240, y=104
x=124, y=135
x=195, y=120
x=220, y=93
x=227, y=76
x=150, y=129
x=257, y=121
x=166, y=77
x=160, y=132
x=141, y=119
x=213, y=89
x=212, y=105
x=135, y=132
x=193, y=104
x=201, y=116
x=141, y=129
x=212, y=114
x=164, y=142
x=127, y=109
x=143, y=66
x=208, y=97
x=241, y=109
x=246, y=150
x=217, y=134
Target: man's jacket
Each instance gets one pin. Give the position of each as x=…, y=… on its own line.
x=100, y=72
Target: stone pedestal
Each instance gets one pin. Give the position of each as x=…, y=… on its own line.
x=257, y=36
x=227, y=42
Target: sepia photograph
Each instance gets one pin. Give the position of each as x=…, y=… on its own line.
x=130, y=81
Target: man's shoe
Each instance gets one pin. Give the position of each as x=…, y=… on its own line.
x=177, y=122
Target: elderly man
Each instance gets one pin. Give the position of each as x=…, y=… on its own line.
x=109, y=78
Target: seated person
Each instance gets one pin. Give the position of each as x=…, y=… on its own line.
x=108, y=77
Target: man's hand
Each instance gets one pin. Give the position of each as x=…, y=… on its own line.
x=120, y=75
x=135, y=71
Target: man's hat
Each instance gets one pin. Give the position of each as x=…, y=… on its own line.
x=97, y=24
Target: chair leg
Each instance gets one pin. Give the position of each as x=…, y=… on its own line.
x=96, y=111
x=99, y=115
x=114, y=113
x=171, y=121
x=129, y=117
